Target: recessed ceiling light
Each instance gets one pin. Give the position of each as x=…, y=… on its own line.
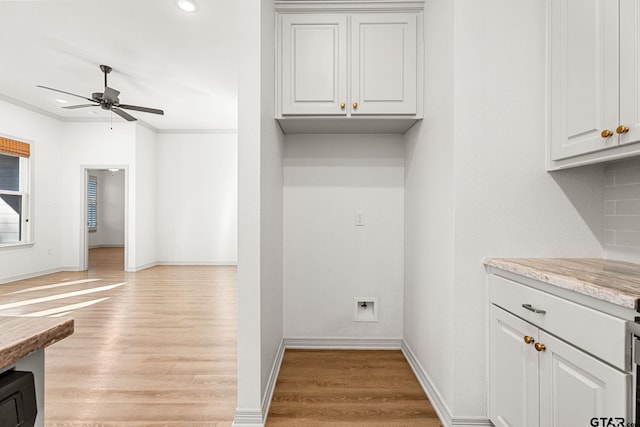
x=62, y=101
x=187, y=5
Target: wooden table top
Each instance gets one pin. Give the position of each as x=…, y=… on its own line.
x=20, y=336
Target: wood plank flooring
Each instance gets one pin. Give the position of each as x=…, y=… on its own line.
x=158, y=348
x=348, y=388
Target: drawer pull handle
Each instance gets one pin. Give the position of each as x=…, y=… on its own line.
x=535, y=310
x=528, y=339
x=540, y=347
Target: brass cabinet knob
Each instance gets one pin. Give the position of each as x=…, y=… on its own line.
x=528, y=339
x=342, y=105
x=540, y=347
x=622, y=129
x=355, y=105
x=606, y=133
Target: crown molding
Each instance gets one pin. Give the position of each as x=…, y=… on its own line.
x=349, y=5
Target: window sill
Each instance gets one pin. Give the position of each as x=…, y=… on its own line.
x=20, y=245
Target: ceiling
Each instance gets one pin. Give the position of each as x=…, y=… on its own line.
x=183, y=63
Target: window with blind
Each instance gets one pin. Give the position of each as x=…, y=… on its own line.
x=92, y=203
x=14, y=191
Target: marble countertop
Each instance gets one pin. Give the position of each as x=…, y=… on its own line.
x=20, y=336
x=613, y=281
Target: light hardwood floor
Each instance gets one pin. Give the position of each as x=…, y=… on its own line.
x=158, y=348
x=160, y=351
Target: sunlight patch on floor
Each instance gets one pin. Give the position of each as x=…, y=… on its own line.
x=55, y=285
x=59, y=310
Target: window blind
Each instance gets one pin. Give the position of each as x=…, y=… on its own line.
x=92, y=202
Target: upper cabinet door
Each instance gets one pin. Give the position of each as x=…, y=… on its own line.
x=584, y=76
x=314, y=64
x=629, y=70
x=383, y=67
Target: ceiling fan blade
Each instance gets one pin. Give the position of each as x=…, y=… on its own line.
x=73, y=107
x=67, y=93
x=110, y=95
x=143, y=109
x=124, y=115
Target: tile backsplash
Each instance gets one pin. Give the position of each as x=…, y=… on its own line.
x=622, y=210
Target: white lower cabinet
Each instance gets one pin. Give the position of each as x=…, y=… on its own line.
x=576, y=387
x=538, y=378
x=513, y=371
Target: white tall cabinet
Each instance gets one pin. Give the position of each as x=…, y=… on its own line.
x=349, y=66
x=594, y=81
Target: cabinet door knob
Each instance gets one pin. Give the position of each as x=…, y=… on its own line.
x=528, y=339
x=342, y=105
x=606, y=133
x=355, y=105
x=540, y=346
x=622, y=129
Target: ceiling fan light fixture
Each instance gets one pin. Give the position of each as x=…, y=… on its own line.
x=187, y=5
x=62, y=101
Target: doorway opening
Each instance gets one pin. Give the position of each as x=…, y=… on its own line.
x=105, y=208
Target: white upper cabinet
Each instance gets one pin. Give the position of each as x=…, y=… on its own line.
x=314, y=64
x=594, y=81
x=383, y=66
x=630, y=70
x=344, y=71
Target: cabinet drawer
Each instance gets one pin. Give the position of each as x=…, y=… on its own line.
x=597, y=333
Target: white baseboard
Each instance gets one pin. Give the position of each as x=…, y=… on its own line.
x=258, y=417
x=142, y=267
x=271, y=382
x=441, y=408
x=470, y=422
x=344, y=343
x=248, y=418
x=222, y=263
x=30, y=275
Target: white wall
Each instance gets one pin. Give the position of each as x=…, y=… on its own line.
x=504, y=203
x=111, y=209
x=61, y=151
x=197, y=197
x=44, y=135
x=328, y=260
x=271, y=209
x=93, y=146
x=259, y=213
x=429, y=209
x=145, y=192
